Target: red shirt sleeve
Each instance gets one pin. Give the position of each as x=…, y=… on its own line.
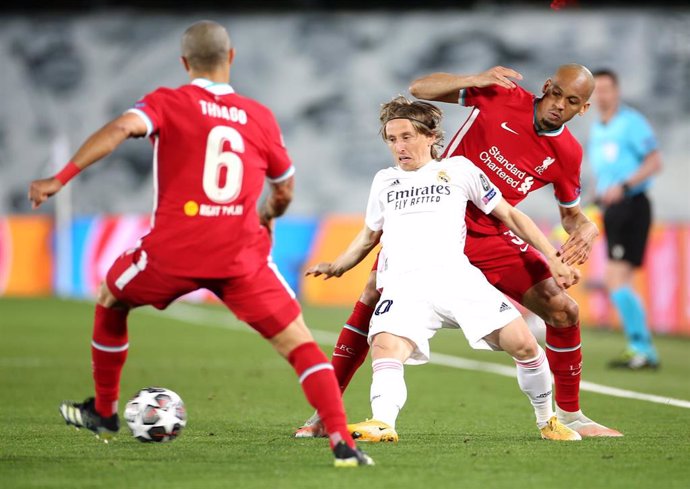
x=493, y=94
x=150, y=108
x=567, y=188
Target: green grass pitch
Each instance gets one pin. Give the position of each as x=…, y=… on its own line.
x=459, y=429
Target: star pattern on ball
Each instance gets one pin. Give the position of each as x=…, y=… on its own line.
x=140, y=406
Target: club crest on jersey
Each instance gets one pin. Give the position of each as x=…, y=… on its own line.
x=548, y=161
x=485, y=182
x=443, y=176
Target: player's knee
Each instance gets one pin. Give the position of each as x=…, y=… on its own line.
x=386, y=345
x=618, y=274
x=566, y=312
x=572, y=311
x=561, y=311
x=381, y=347
x=518, y=341
x=106, y=298
x=526, y=349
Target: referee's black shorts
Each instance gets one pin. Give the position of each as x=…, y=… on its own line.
x=627, y=224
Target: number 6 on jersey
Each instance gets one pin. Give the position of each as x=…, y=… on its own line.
x=217, y=159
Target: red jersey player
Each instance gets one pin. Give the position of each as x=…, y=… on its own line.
x=521, y=143
x=213, y=150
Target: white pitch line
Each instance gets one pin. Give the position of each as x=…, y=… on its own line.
x=191, y=314
x=495, y=368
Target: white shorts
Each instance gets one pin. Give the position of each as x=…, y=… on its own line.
x=417, y=304
x=381, y=268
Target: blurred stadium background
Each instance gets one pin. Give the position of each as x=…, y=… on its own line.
x=324, y=67
x=68, y=67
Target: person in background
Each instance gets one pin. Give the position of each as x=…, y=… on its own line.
x=624, y=155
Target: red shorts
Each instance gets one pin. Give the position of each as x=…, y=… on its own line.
x=509, y=264
x=262, y=299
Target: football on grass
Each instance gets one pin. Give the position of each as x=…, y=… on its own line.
x=156, y=414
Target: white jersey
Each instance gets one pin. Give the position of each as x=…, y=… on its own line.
x=422, y=213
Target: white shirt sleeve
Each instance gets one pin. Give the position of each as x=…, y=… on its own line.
x=480, y=191
x=374, y=216
x=142, y=115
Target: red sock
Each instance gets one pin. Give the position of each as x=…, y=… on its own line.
x=321, y=389
x=565, y=359
x=352, y=346
x=108, y=354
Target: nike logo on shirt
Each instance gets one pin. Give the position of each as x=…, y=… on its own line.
x=504, y=125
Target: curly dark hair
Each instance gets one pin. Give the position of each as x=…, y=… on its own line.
x=425, y=118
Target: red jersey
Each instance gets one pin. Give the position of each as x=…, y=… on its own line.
x=501, y=138
x=213, y=150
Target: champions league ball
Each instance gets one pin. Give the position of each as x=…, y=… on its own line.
x=155, y=414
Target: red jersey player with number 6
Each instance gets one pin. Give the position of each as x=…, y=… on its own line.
x=213, y=150
x=521, y=143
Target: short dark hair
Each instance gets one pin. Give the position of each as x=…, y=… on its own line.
x=205, y=45
x=607, y=72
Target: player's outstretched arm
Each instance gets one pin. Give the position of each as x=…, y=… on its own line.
x=526, y=229
x=445, y=87
x=97, y=146
x=359, y=248
x=582, y=233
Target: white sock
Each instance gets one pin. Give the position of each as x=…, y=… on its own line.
x=388, y=390
x=534, y=378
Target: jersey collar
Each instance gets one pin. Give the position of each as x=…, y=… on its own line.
x=424, y=167
x=541, y=132
x=213, y=87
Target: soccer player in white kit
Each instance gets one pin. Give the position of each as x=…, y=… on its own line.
x=416, y=210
